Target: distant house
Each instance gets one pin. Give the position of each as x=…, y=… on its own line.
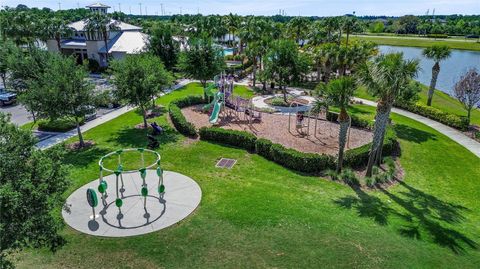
x=127, y=39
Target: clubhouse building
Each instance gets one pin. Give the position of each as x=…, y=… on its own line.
x=125, y=39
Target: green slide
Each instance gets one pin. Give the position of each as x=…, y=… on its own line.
x=210, y=94
x=216, y=109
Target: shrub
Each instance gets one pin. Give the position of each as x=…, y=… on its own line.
x=190, y=100
x=332, y=174
x=58, y=125
x=356, y=121
x=263, y=148
x=349, y=177
x=359, y=156
x=179, y=121
x=477, y=135
x=106, y=99
x=370, y=182
x=295, y=160
x=235, y=138
x=451, y=120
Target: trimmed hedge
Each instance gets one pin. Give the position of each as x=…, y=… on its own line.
x=177, y=117
x=190, y=100
x=358, y=157
x=291, y=158
x=356, y=121
x=451, y=120
x=229, y=137
x=58, y=125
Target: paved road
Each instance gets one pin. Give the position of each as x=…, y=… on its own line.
x=18, y=114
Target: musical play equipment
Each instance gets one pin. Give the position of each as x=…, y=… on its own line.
x=119, y=172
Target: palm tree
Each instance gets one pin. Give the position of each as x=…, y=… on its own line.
x=385, y=77
x=98, y=26
x=233, y=23
x=56, y=28
x=437, y=53
x=297, y=28
x=349, y=24
x=338, y=92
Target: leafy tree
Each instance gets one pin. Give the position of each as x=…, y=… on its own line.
x=339, y=92
x=138, y=78
x=31, y=186
x=6, y=49
x=63, y=91
x=23, y=68
x=163, y=45
x=437, y=53
x=202, y=60
x=377, y=27
x=467, y=91
x=385, y=77
x=285, y=64
x=98, y=26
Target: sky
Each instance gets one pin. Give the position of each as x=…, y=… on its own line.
x=270, y=7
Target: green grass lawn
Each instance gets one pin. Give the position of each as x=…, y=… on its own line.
x=440, y=100
x=259, y=214
x=419, y=42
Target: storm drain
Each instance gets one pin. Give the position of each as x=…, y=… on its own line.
x=226, y=163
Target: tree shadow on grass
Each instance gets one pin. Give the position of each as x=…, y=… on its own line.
x=424, y=215
x=412, y=134
x=84, y=157
x=137, y=138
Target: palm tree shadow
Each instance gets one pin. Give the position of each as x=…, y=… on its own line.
x=425, y=215
x=412, y=134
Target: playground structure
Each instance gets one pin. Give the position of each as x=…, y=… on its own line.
x=224, y=97
x=139, y=195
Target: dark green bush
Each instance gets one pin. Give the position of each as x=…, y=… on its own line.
x=356, y=121
x=234, y=138
x=359, y=156
x=179, y=121
x=58, y=125
x=293, y=159
x=190, y=100
x=451, y=120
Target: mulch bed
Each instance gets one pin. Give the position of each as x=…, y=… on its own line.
x=76, y=145
x=275, y=128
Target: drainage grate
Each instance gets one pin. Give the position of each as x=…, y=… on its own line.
x=226, y=163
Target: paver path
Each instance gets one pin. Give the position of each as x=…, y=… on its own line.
x=453, y=134
x=47, y=143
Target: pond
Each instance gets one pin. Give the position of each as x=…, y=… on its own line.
x=451, y=69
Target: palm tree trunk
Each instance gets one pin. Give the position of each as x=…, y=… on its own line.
x=80, y=136
x=319, y=72
x=433, y=82
x=254, y=72
x=58, y=44
x=381, y=120
x=342, y=138
x=348, y=34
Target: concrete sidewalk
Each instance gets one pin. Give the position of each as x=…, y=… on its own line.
x=457, y=136
x=52, y=141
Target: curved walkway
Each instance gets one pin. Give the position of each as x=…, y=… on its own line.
x=457, y=136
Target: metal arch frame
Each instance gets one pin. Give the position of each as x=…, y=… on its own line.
x=119, y=152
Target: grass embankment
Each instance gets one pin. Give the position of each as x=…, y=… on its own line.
x=419, y=42
x=440, y=101
x=259, y=214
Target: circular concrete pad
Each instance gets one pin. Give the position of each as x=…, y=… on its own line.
x=182, y=195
